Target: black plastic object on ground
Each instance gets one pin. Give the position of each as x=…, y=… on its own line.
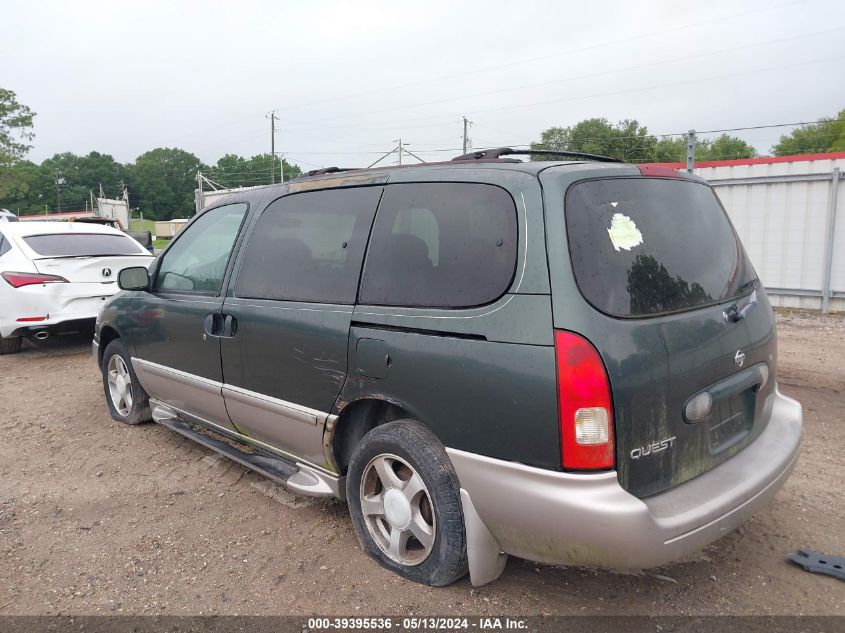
x=820, y=563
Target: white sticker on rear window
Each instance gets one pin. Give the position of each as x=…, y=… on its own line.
x=624, y=233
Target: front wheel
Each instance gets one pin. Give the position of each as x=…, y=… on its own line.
x=128, y=402
x=404, y=499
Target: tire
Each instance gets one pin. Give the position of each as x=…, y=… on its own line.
x=10, y=345
x=127, y=401
x=422, y=494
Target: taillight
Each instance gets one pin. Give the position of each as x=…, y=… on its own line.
x=17, y=280
x=584, y=407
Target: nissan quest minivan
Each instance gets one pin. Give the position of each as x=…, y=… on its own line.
x=571, y=362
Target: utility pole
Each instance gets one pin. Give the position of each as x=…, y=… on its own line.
x=59, y=182
x=467, y=123
x=400, y=151
x=690, y=150
x=272, y=147
x=198, y=203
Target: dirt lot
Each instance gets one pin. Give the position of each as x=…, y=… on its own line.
x=96, y=517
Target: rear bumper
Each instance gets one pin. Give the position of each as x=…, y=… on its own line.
x=57, y=304
x=584, y=519
x=55, y=327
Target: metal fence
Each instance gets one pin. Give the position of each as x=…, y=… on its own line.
x=789, y=215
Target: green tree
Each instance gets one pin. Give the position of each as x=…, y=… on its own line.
x=74, y=176
x=671, y=149
x=631, y=142
x=17, y=182
x=723, y=147
x=162, y=182
x=15, y=122
x=626, y=140
x=826, y=136
x=235, y=171
x=97, y=169
x=15, y=134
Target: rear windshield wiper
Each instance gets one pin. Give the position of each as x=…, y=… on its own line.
x=736, y=314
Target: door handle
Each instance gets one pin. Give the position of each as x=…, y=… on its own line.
x=230, y=326
x=212, y=325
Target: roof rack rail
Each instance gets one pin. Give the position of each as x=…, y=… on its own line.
x=325, y=170
x=488, y=154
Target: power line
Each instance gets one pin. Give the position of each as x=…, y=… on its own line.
x=570, y=51
x=657, y=86
x=590, y=75
x=588, y=138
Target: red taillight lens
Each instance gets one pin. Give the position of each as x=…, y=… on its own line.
x=17, y=280
x=584, y=407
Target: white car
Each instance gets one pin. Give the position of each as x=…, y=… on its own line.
x=55, y=276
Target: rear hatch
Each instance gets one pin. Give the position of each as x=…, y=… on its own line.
x=86, y=257
x=677, y=314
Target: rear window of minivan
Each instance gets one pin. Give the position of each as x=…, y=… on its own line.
x=647, y=246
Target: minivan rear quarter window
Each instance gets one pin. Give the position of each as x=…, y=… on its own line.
x=443, y=245
x=648, y=246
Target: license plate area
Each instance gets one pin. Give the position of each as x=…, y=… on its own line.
x=732, y=420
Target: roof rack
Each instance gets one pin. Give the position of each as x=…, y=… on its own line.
x=488, y=154
x=325, y=170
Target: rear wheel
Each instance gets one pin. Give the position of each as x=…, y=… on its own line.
x=126, y=398
x=10, y=345
x=404, y=499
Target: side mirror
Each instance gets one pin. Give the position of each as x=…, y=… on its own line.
x=135, y=278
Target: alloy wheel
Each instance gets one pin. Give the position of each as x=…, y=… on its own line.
x=397, y=509
x=120, y=385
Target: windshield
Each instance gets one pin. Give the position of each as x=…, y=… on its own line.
x=83, y=245
x=647, y=246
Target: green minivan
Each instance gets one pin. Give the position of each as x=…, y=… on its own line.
x=570, y=361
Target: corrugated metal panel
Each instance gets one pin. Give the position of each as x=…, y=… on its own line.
x=783, y=225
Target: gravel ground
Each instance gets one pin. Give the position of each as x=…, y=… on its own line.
x=96, y=517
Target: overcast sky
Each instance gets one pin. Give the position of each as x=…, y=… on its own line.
x=348, y=78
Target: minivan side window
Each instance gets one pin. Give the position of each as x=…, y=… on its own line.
x=446, y=245
x=5, y=246
x=197, y=260
x=309, y=247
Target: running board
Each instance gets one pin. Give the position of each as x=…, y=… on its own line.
x=296, y=476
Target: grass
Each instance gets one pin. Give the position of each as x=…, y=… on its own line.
x=143, y=225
